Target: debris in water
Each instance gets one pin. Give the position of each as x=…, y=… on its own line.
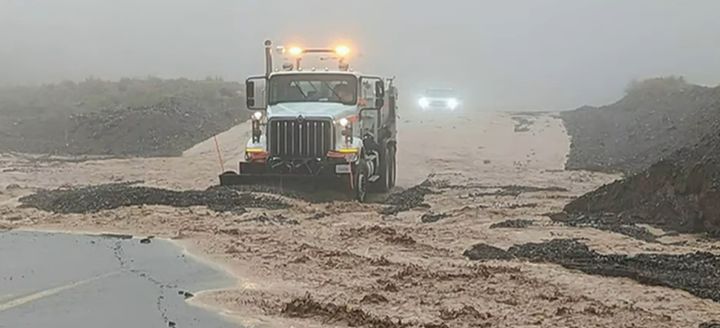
x=111, y=196
x=431, y=217
x=487, y=252
x=407, y=199
x=517, y=223
x=696, y=273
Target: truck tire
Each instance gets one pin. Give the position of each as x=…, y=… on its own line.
x=384, y=184
x=360, y=181
x=392, y=167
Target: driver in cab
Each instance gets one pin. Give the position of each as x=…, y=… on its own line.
x=344, y=93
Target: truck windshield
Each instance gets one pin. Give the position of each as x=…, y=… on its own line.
x=313, y=88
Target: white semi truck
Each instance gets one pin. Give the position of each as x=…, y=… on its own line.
x=319, y=123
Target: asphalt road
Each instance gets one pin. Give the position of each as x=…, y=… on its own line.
x=62, y=280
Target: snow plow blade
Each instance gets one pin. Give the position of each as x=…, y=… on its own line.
x=231, y=178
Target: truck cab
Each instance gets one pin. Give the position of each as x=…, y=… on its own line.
x=321, y=124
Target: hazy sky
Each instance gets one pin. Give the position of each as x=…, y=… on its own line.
x=521, y=54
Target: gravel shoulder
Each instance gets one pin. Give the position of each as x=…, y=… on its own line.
x=347, y=264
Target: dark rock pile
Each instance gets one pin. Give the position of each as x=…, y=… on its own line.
x=407, y=199
x=664, y=134
x=516, y=223
x=697, y=273
x=656, y=118
x=680, y=193
x=111, y=196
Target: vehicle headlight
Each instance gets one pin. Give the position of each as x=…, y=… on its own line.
x=257, y=115
x=424, y=102
x=347, y=128
x=453, y=103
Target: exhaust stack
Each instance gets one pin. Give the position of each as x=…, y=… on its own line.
x=268, y=58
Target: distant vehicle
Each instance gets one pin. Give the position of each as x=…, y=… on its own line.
x=439, y=99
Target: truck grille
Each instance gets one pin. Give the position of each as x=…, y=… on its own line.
x=291, y=138
x=438, y=103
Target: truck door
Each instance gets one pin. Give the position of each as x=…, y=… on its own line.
x=370, y=119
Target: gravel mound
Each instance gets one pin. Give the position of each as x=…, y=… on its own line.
x=680, y=193
x=149, y=117
x=112, y=196
x=697, y=273
x=656, y=118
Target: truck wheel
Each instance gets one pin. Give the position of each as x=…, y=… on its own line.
x=384, y=170
x=361, y=182
x=392, y=167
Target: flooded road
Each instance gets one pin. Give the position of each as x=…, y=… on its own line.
x=63, y=280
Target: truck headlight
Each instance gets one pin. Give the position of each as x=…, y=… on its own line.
x=257, y=115
x=347, y=128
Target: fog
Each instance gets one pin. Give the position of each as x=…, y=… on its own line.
x=530, y=54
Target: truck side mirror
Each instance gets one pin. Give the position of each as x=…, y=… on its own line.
x=250, y=94
x=379, y=94
x=255, y=100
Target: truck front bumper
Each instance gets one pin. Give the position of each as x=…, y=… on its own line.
x=288, y=170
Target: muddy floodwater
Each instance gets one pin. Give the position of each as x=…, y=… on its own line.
x=63, y=280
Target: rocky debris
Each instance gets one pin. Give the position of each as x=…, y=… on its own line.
x=431, y=217
x=147, y=240
x=486, y=252
x=655, y=118
x=466, y=312
x=312, y=191
x=407, y=199
x=151, y=117
x=278, y=219
x=385, y=233
x=509, y=190
x=517, y=224
x=373, y=299
x=111, y=196
x=675, y=184
x=710, y=324
x=317, y=216
x=696, y=273
x=680, y=193
x=403, y=239
x=380, y=261
x=330, y=313
x=606, y=222
x=185, y=294
x=12, y=186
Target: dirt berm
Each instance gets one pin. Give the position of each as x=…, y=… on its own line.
x=681, y=192
x=150, y=117
x=655, y=118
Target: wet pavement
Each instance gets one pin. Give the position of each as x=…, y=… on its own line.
x=63, y=280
